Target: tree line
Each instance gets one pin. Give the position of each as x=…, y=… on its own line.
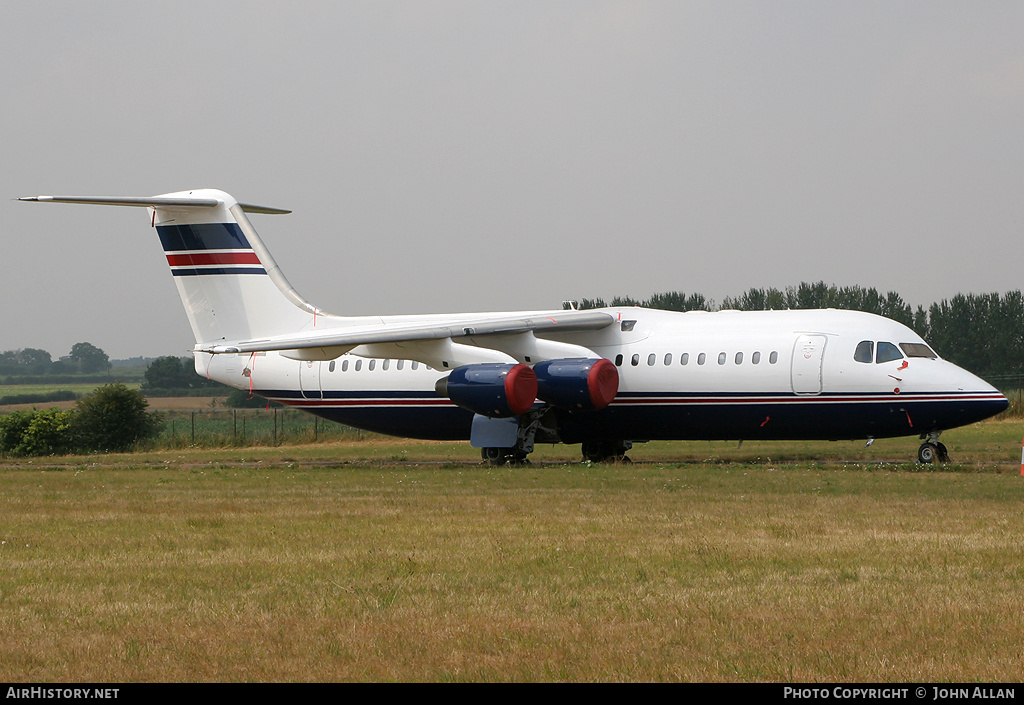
x=84, y=358
x=983, y=333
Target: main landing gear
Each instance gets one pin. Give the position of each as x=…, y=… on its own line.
x=603, y=451
x=931, y=450
x=504, y=456
x=523, y=432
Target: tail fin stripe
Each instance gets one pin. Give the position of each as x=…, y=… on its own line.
x=208, y=248
x=181, y=272
x=197, y=259
x=202, y=236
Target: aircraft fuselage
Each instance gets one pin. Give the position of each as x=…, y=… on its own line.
x=728, y=375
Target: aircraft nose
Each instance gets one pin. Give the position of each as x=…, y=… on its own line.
x=985, y=400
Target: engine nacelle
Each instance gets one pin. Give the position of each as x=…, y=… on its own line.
x=493, y=389
x=577, y=383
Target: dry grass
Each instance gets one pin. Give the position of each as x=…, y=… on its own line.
x=288, y=568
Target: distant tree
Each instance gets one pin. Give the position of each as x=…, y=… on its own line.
x=243, y=399
x=174, y=374
x=586, y=303
x=113, y=418
x=34, y=361
x=758, y=300
x=26, y=361
x=168, y=373
x=89, y=358
x=679, y=301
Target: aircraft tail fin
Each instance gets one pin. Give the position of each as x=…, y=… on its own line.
x=229, y=283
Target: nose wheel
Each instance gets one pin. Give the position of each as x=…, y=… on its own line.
x=932, y=451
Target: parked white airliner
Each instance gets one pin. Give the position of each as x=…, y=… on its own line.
x=604, y=378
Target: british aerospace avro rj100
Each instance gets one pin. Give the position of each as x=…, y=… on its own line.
x=603, y=378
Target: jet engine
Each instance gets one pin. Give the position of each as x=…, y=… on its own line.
x=577, y=383
x=494, y=389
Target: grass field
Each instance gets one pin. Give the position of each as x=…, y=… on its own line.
x=397, y=560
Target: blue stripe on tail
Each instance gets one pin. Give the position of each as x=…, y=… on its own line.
x=202, y=236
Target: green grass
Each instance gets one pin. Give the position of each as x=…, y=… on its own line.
x=412, y=561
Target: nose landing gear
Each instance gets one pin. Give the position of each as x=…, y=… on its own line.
x=931, y=450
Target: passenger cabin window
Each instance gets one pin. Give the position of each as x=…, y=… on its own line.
x=773, y=358
x=739, y=358
x=651, y=359
x=887, y=352
x=701, y=358
x=684, y=358
x=635, y=360
x=917, y=350
x=755, y=358
x=668, y=359
x=721, y=358
x=618, y=360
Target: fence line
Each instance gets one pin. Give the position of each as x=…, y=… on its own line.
x=241, y=427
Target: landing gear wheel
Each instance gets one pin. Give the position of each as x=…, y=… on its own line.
x=927, y=453
x=503, y=456
x=494, y=456
x=931, y=450
x=605, y=451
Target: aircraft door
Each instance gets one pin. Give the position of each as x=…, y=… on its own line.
x=808, y=355
x=309, y=379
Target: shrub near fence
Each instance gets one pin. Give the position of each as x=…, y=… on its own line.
x=249, y=427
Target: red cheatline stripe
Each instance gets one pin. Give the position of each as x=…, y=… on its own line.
x=220, y=258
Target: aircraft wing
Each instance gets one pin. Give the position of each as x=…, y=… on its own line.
x=461, y=327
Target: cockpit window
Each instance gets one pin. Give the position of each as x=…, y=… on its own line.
x=865, y=351
x=887, y=352
x=918, y=350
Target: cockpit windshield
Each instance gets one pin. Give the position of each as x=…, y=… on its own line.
x=918, y=350
x=887, y=352
x=868, y=351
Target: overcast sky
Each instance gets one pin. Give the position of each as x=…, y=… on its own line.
x=468, y=156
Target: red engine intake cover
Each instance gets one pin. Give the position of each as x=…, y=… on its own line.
x=520, y=389
x=602, y=383
x=577, y=383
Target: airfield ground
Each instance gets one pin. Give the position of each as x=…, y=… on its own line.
x=398, y=560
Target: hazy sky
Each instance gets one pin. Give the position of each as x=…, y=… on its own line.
x=491, y=155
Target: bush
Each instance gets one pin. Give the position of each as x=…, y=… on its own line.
x=113, y=418
x=12, y=429
x=48, y=433
x=37, y=432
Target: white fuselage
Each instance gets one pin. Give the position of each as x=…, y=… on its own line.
x=728, y=374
